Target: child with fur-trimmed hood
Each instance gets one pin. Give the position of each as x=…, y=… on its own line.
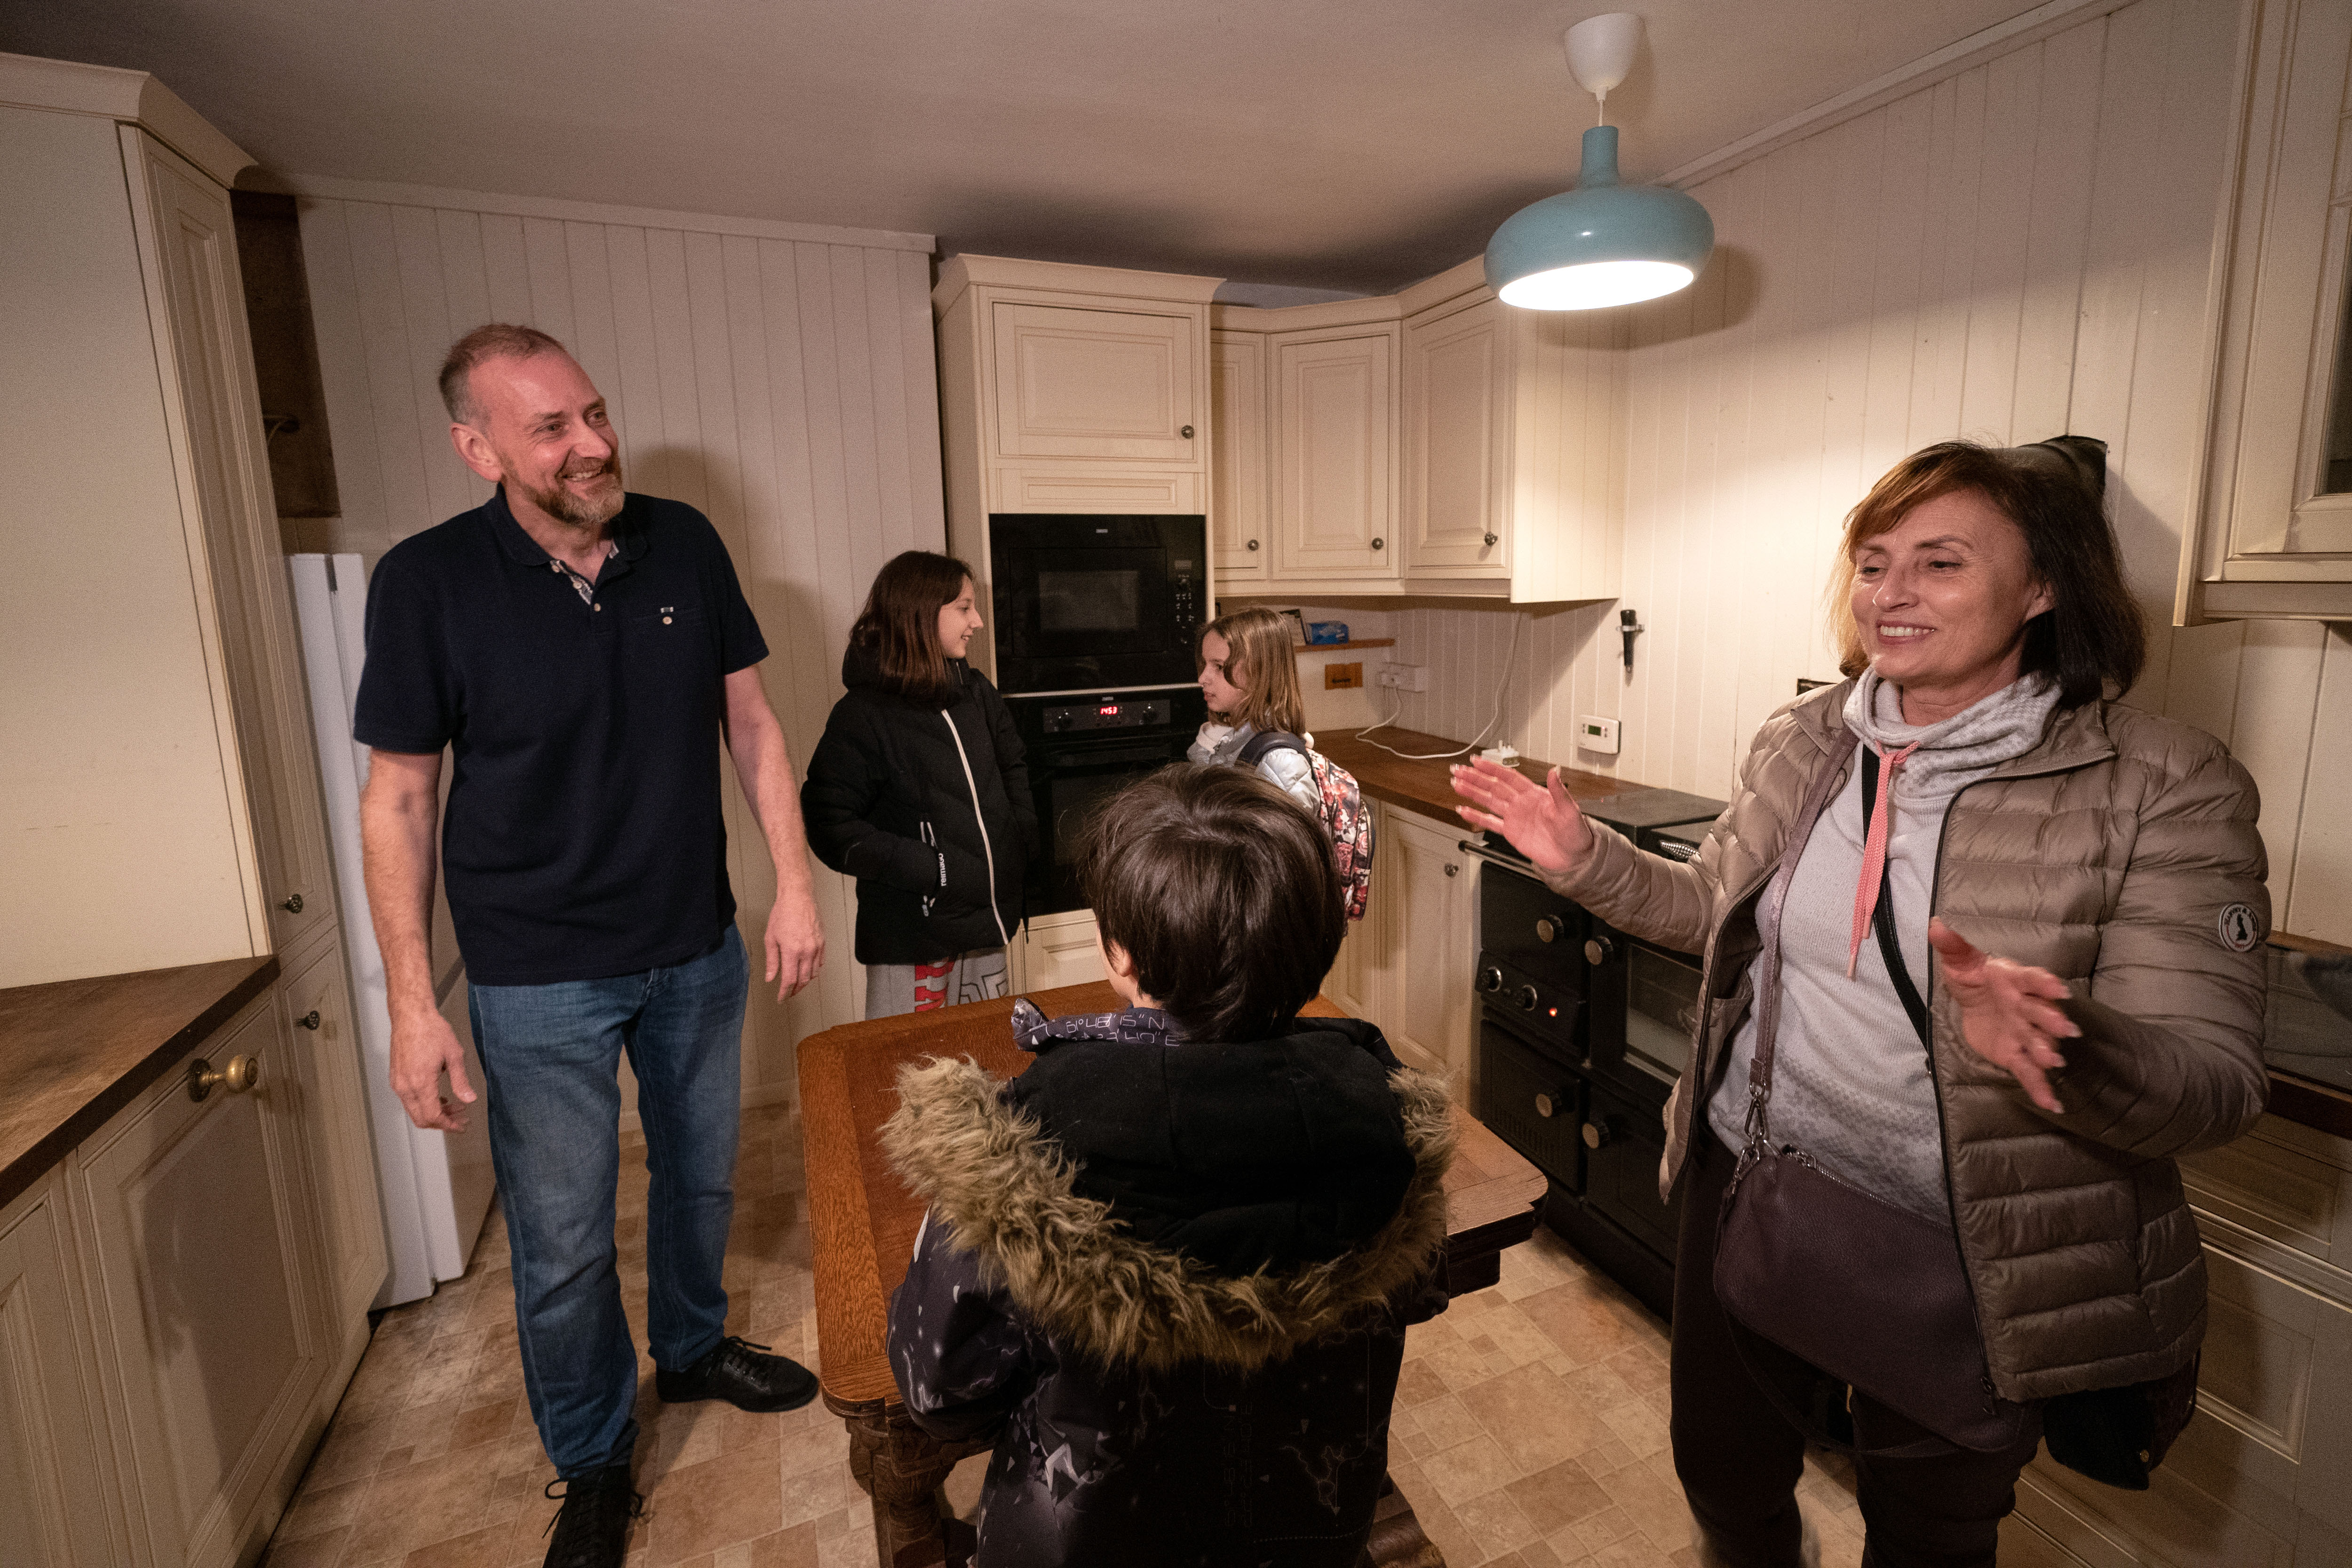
x=1173, y=1263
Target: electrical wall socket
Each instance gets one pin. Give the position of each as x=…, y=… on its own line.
x=1405, y=677
x=1597, y=735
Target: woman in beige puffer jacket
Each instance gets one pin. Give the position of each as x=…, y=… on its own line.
x=2108, y=857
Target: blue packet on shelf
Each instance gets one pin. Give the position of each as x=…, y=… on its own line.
x=1322, y=633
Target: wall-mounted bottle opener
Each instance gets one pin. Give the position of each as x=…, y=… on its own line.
x=1628, y=625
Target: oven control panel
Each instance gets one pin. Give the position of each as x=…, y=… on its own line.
x=1107, y=713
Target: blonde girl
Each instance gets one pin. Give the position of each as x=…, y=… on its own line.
x=1249, y=673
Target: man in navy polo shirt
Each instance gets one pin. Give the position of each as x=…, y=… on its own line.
x=583, y=653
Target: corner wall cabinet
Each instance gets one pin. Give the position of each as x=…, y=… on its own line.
x=2272, y=533
x=160, y=790
x=1498, y=472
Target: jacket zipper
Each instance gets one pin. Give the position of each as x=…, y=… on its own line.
x=987, y=850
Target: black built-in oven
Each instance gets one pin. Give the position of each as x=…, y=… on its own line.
x=1081, y=751
x=1086, y=604
x=1582, y=1031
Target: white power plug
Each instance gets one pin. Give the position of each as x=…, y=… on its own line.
x=1504, y=753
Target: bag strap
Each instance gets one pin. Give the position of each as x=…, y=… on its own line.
x=1882, y=917
x=1266, y=741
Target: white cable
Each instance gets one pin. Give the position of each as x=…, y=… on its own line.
x=1518, y=625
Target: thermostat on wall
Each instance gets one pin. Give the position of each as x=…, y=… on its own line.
x=1597, y=735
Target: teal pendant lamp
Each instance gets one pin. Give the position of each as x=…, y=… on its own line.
x=1602, y=243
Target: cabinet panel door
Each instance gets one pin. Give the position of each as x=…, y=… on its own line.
x=1095, y=486
x=1095, y=384
x=1334, y=421
x=1456, y=455
x=1428, y=881
x=53, y=1513
x=203, y=1268
x=1059, y=949
x=1237, y=467
x=1356, y=981
x=327, y=1095
x=194, y=244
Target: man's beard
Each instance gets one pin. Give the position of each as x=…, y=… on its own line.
x=559, y=502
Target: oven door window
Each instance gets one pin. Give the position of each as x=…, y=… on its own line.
x=1071, y=785
x=1661, y=996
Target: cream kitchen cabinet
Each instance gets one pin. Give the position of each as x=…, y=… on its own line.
x=1056, y=950
x=1331, y=411
x=1407, y=965
x=2271, y=532
x=326, y=1095
x=1096, y=382
x=58, y=1512
x=2263, y=1473
x=200, y=1242
x=1238, y=533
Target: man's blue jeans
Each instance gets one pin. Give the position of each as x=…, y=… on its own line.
x=551, y=1055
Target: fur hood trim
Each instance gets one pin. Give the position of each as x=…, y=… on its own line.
x=1004, y=1191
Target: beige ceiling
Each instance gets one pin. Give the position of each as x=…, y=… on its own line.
x=1347, y=144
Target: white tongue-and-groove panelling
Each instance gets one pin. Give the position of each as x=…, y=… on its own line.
x=2020, y=250
x=779, y=379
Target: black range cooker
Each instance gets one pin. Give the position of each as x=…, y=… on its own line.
x=1581, y=1033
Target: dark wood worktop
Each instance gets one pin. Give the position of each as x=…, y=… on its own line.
x=1426, y=787
x=74, y=1052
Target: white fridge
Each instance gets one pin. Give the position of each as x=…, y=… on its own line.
x=436, y=1185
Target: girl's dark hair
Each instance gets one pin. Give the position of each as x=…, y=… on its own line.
x=1223, y=894
x=2090, y=639
x=899, y=627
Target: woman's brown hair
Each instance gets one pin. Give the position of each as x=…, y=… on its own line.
x=2091, y=640
x=1263, y=662
x=1224, y=895
x=899, y=627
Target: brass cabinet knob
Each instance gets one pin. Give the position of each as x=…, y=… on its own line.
x=309, y=1020
x=242, y=1074
x=1376, y=544
x=1492, y=538
x=1253, y=545
x=1451, y=869
x=1186, y=432
x=291, y=903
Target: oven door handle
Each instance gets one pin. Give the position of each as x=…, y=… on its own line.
x=1105, y=756
x=1507, y=862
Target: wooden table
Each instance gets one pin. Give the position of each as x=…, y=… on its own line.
x=863, y=1224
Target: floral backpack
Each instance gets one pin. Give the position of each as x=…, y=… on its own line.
x=1347, y=816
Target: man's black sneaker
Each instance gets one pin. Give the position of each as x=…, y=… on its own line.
x=743, y=1374
x=592, y=1529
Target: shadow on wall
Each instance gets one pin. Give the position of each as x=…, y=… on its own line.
x=1730, y=290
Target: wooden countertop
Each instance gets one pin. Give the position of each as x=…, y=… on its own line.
x=74, y=1052
x=1426, y=787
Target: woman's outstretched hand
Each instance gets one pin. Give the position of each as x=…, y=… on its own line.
x=1539, y=819
x=2007, y=1012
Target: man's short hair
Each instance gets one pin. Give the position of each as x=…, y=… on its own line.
x=1223, y=893
x=498, y=339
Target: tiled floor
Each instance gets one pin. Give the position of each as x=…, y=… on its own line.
x=1530, y=1430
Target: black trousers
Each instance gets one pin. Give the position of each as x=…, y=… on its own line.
x=1739, y=1457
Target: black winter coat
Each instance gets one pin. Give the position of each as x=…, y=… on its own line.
x=928, y=805
x=1174, y=1280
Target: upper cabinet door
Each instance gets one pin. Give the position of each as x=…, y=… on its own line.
x=1457, y=456
x=1334, y=422
x=1238, y=492
x=1097, y=383
x=2274, y=524
x=193, y=241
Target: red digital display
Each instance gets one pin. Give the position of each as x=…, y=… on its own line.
x=1109, y=712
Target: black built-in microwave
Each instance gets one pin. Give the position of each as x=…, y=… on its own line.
x=1089, y=603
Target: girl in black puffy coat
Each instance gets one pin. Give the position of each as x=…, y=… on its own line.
x=919, y=791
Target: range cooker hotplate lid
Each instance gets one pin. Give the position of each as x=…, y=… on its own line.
x=1636, y=809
